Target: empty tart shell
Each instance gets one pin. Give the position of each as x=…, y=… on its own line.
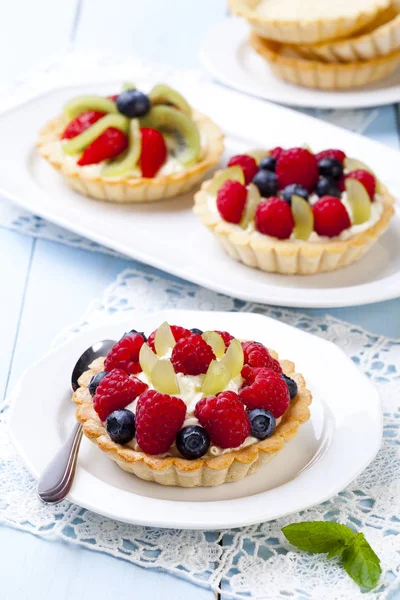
x=208, y=471
x=380, y=38
x=287, y=64
x=295, y=257
x=131, y=189
x=310, y=30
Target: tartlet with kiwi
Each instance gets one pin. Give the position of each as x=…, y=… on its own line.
x=132, y=146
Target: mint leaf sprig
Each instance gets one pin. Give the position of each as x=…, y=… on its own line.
x=334, y=539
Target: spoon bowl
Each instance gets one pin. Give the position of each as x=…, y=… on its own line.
x=56, y=480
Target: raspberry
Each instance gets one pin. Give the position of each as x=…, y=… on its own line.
x=231, y=200
x=247, y=164
x=269, y=391
x=227, y=337
x=366, y=178
x=154, y=152
x=340, y=184
x=276, y=152
x=109, y=144
x=116, y=390
x=125, y=354
x=224, y=418
x=159, y=417
x=257, y=355
x=330, y=216
x=177, y=332
x=192, y=355
x=299, y=166
x=335, y=154
x=81, y=123
x=274, y=217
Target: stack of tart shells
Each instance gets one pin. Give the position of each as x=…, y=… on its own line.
x=346, y=52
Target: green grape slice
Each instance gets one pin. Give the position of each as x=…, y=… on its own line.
x=353, y=164
x=216, y=342
x=128, y=85
x=147, y=359
x=81, y=104
x=234, y=358
x=164, y=339
x=253, y=200
x=164, y=94
x=127, y=161
x=303, y=218
x=234, y=173
x=216, y=379
x=163, y=377
x=84, y=139
x=358, y=198
x=258, y=154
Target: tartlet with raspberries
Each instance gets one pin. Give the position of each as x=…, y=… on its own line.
x=190, y=408
x=131, y=147
x=295, y=212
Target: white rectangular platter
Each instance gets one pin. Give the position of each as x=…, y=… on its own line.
x=167, y=234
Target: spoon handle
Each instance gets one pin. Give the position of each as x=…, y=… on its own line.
x=56, y=480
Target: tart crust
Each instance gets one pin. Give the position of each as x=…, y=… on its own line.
x=380, y=38
x=207, y=471
x=306, y=30
x=320, y=75
x=133, y=189
x=291, y=257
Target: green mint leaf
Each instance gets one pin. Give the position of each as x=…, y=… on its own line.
x=336, y=548
x=319, y=537
x=361, y=562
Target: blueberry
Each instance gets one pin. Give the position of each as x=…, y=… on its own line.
x=267, y=183
x=329, y=167
x=268, y=164
x=262, y=423
x=133, y=104
x=132, y=331
x=120, y=426
x=194, y=330
x=292, y=385
x=94, y=382
x=327, y=187
x=192, y=442
x=294, y=190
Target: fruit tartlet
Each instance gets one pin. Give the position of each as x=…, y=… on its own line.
x=131, y=147
x=190, y=408
x=295, y=212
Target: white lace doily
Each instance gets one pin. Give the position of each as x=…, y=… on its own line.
x=78, y=68
x=254, y=561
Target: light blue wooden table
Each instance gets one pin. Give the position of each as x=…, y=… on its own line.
x=38, y=277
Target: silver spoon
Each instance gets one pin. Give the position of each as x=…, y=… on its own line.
x=56, y=480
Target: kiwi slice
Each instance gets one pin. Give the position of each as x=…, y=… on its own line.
x=80, y=104
x=163, y=94
x=358, y=198
x=128, y=85
x=127, y=161
x=234, y=173
x=353, y=164
x=81, y=141
x=303, y=218
x=183, y=139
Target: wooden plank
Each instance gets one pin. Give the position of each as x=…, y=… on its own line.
x=32, y=32
x=15, y=260
x=168, y=32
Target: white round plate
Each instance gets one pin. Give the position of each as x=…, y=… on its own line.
x=341, y=438
x=227, y=55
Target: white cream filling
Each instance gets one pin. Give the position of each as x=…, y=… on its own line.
x=376, y=213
